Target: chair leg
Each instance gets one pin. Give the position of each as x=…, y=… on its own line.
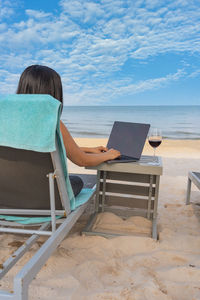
x=188, y=191
x=154, y=229
x=33, y=266
x=21, y=289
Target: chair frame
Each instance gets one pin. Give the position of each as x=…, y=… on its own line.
x=192, y=177
x=55, y=235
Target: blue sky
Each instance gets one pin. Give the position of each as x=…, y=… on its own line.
x=108, y=52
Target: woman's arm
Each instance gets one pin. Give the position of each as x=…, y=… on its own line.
x=96, y=150
x=79, y=157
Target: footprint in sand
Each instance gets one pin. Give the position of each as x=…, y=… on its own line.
x=16, y=244
x=171, y=205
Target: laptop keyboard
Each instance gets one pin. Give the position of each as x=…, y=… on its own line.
x=124, y=157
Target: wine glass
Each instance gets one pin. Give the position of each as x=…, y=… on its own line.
x=155, y=139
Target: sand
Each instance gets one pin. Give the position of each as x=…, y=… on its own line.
x=128, y=267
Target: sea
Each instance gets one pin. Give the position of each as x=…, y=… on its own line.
x=175, y=122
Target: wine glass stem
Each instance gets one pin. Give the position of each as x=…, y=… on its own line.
x=154, y=152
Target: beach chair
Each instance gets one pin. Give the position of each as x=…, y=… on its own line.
x=36, y=197
x=193, y=177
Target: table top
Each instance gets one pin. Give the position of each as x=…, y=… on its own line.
x=143, y=166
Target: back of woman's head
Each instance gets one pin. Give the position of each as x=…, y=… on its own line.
x=38, y=79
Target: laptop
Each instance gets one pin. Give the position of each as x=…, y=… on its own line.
x=129, y=139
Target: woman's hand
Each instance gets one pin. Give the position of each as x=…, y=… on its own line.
x=112, y=154
x=99, y=149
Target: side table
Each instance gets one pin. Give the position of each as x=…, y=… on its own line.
x=127, y=189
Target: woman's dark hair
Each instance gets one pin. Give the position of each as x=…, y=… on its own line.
x=38, y=79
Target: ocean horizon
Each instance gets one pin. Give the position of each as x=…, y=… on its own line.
x=175, y=121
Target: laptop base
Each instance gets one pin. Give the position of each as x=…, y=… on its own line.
x=122, y=159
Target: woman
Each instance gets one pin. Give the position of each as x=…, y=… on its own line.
x=38, y=79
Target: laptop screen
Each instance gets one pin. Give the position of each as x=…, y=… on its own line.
x=128, y=138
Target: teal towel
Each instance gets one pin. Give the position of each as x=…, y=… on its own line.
x=83, y=197
x=29, y=122
x=32, y=122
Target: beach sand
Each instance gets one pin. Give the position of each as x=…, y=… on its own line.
x=128, y=267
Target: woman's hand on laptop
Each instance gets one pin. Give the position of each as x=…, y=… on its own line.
x=100, y=149
x=112, y=154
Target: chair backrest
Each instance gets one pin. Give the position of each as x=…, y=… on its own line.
x=23, y=179
x=31, y=147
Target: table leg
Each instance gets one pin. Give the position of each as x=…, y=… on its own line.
x=150, y=196
x=103, y=190
x=154, y=221
x=97, y=192
x=156, y=196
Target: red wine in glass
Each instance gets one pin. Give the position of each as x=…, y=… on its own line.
x=154, y=143
x=155, y=139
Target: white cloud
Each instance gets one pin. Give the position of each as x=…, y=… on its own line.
x=13, y=60
x=37, y=14
x=86, y=11
x=39, y=29
x=10, y=80
x=150, y=84
x=116, y=88
x=194, y=74
x=6, y=9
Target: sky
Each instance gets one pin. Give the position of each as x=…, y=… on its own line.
x=108, y=52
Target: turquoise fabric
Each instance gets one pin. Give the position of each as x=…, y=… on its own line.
x=27, y=220
x=31, y=122
x=63, y=157
x=79, y=200
x=83, y=197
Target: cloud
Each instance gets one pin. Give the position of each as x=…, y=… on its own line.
x=151, y=84
x=194, y=74
x=39, y=30
x=37, y=14
x=86, y=11
x=116, y=88
x=10, y=80
x=6, y=9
